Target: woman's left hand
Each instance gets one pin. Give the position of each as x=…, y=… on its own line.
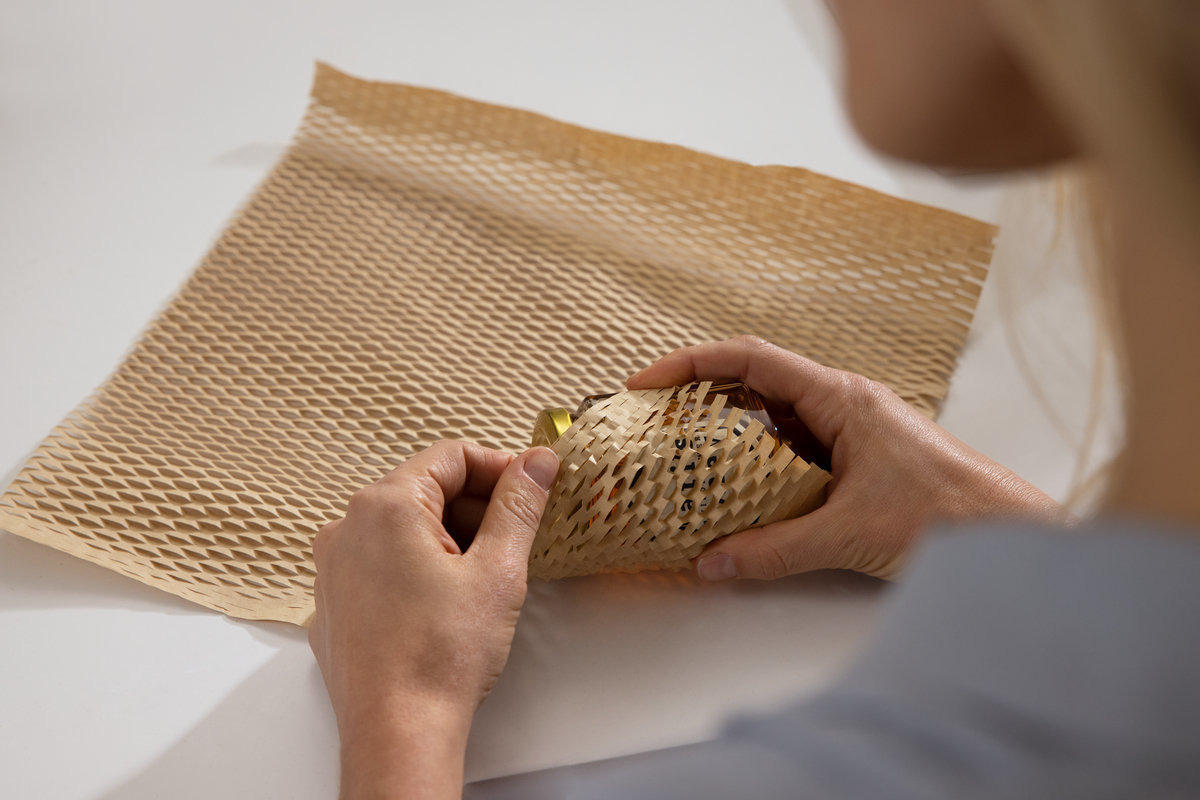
x=413, y=626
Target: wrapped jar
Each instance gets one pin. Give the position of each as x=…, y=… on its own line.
x=648, y=478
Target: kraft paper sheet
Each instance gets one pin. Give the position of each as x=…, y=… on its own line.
x=419, y=266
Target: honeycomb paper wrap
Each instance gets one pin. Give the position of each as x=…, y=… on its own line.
x=419, y=266
x=645, y=484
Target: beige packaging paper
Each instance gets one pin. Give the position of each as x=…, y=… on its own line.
x=647, y=479
x=419, y=266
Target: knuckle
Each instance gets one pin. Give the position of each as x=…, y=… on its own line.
x=361, y=502
x=770, y=562
x=749, y=341
x=445, y=447
x=378, y=502
x=393, y=507
x=520, y=506
x=442, y=455
x=880, y=393
x=321, y=544
x=865, y=393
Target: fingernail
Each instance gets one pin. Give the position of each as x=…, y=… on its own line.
x=717, y=567
x=541, y=465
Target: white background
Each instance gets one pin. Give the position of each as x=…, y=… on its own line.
x=130, y=132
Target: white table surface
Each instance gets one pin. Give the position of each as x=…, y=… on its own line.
x=131, y=130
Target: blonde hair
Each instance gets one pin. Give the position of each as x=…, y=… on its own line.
x=1043, y=279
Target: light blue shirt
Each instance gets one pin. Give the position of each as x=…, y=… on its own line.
x=1012, y=662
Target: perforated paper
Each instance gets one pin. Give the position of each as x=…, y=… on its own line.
x=419, y=266
x=648, y=478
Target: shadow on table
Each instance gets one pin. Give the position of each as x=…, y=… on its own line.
x=272, y=736
x=34, y=576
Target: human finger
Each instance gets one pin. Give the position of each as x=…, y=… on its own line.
x=447, y=469
x=819, y=394
x=511, y=521
x=782, y=548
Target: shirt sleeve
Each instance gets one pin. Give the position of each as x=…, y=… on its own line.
x=1013, y=662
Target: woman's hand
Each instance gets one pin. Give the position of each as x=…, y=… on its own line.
x=893, y=470
x=412, y=626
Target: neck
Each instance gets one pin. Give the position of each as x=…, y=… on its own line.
x=1157, y=281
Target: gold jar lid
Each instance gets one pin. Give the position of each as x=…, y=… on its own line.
x=551, y=424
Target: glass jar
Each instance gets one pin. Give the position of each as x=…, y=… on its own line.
x=780, y=422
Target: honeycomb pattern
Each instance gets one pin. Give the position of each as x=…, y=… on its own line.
x=648, y=478
x=419, y=266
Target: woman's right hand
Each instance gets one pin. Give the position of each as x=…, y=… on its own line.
x=893, y=470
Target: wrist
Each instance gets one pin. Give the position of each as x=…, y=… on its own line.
x=411, y=747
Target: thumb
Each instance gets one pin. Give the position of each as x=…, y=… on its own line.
x=773, y=551
x=515, y=508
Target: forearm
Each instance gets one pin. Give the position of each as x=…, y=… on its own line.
x=413, y=753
